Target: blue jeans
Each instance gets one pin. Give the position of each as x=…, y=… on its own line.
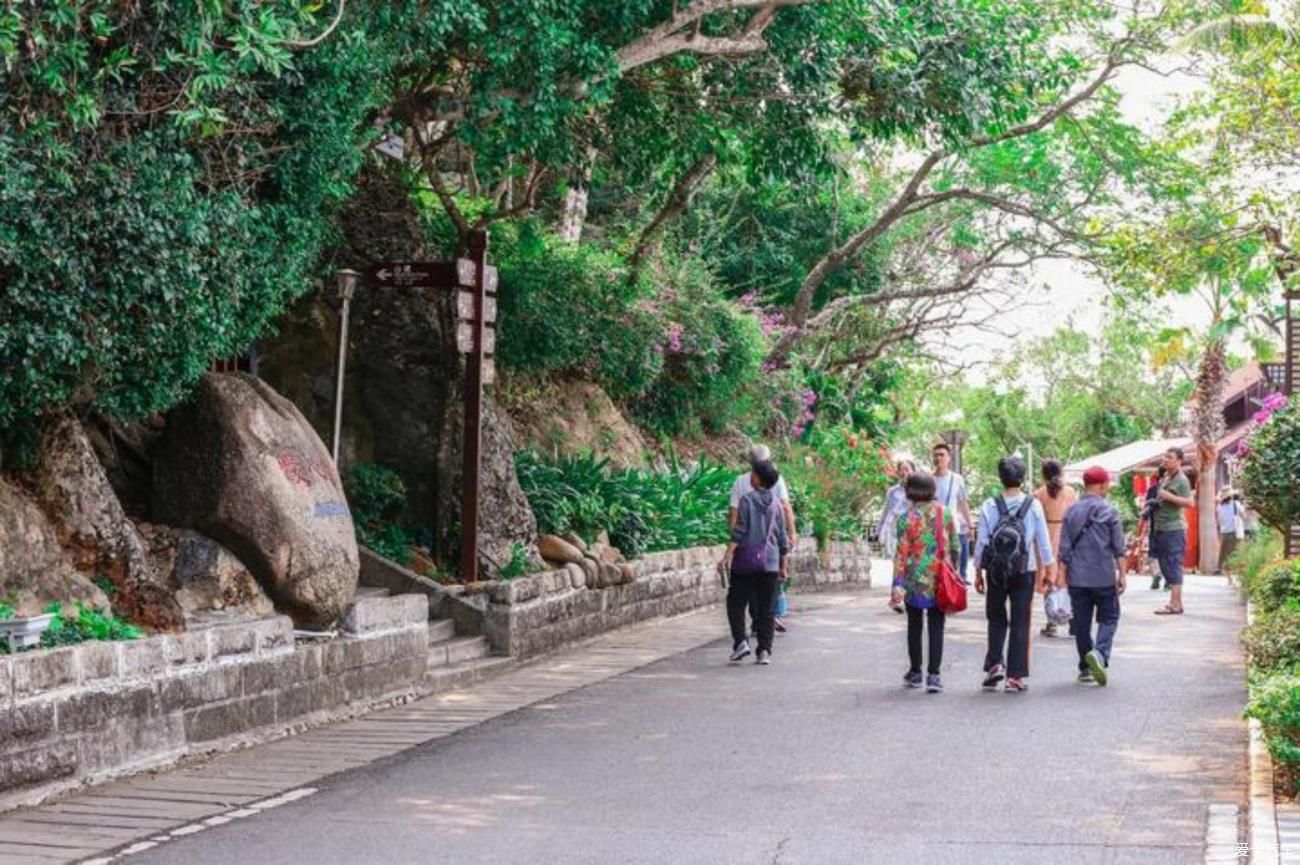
x=1168, y=548
x=965, y=557
x=1104, y=602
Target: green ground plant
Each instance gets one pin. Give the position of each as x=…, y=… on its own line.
x=643, y=511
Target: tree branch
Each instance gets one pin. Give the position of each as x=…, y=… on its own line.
x=678, y=200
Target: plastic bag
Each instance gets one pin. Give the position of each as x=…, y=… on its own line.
x=782, y=605
x=1057, y=604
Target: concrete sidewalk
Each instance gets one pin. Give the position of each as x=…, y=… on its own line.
x=820, y=758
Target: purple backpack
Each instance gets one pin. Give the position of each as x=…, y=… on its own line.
x=752, y=558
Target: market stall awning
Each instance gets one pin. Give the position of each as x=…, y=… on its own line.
x=1127, y=458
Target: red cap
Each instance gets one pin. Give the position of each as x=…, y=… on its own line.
x=1095, y=475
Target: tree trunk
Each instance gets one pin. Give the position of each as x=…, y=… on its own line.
x=573, y=218
x=1207, y=429
x=678, y=200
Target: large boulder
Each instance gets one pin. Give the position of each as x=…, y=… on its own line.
x=72, y=486
x=205, y=576
x=34, y=569
x=240, y=464
x=505, y=517
x=576, y=417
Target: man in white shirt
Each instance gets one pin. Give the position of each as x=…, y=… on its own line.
x=760, y=454
x=950, y=491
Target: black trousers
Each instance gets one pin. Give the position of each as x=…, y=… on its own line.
x=936, y=618
x=756, y=592
x=1018, y=593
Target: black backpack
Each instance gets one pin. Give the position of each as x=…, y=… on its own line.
x=1007, y=549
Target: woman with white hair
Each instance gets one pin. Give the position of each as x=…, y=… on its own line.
x=895, y=506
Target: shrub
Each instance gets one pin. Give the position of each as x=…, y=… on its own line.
x=519, y=563
x=376, y=496
x=1255, y=554
x=1275, y=703
x=169, y=178
x=1273, y=639
x=834, y=479
x=1275, y=586
x=711, y=350
x=83, y=624
x=570, y=308
x=1271, y=469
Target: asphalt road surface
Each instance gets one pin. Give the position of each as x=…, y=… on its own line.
x=820, y=758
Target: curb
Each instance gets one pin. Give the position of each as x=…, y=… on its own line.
x=1264, y=843
x=1265, y=846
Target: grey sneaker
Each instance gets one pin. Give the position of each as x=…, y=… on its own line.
x=1097, y=666
x=912, y=679
x=740, y=651
x=764, y=657
x=933, y=685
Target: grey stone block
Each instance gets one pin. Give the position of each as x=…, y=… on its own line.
x=143, y=658
x=303, y=699
x=342, y=655
x=93, y=709
x=98, y=661
x=200, y=687
x=383, y=614
x=228, y=640
x=208, y=723
x=46, y=762
x=43, y=670
x=185, y=649
x=269, y=674
x=26, y=721
x=275, y=635
x=577, y=577
x=123, y=742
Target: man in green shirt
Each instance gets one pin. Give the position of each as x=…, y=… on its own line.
x=1169, y=528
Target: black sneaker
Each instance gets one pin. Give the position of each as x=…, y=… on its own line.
x=933, y=685
x=1085, y=678
x=764, y=657
x=740, y=651
x=1155, y=584
x=912, y=679
x=994, y=677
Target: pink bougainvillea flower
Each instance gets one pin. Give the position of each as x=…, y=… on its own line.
x=1275, y=401
x=1261, y=416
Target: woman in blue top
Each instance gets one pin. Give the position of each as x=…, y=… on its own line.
x=922, y=531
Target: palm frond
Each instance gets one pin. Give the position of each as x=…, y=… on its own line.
x=1234, y=31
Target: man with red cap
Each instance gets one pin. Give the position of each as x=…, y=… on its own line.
x=1094, y=566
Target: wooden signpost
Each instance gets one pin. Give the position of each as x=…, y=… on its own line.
x=474, y=284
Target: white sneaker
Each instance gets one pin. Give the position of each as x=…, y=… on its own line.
x=740, y=651
x=764, y=657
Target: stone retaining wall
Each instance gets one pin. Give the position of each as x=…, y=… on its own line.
x=540, y=612
x=95, y=710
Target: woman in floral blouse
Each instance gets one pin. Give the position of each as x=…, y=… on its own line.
x=915, y=574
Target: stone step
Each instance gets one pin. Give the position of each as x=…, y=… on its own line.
x=452, y=676
x=371, y=592
x=458, y=649
x=441, y=630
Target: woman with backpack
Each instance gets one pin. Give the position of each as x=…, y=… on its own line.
x=1012, y=545
x=755, y=563
x=1055, y=498
x=926, y=535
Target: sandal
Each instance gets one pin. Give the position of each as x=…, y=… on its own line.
x=1168, y=611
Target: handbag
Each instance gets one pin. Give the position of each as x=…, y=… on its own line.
x=752, y=558
x=949, y=591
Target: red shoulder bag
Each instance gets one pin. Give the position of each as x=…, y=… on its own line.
x=949, y=590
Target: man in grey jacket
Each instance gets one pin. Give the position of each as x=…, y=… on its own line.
x=755, y=561
x=1094, y=566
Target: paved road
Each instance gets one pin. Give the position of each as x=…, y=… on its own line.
x=820, y=758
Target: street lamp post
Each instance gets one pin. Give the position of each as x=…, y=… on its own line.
x=347, y=285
